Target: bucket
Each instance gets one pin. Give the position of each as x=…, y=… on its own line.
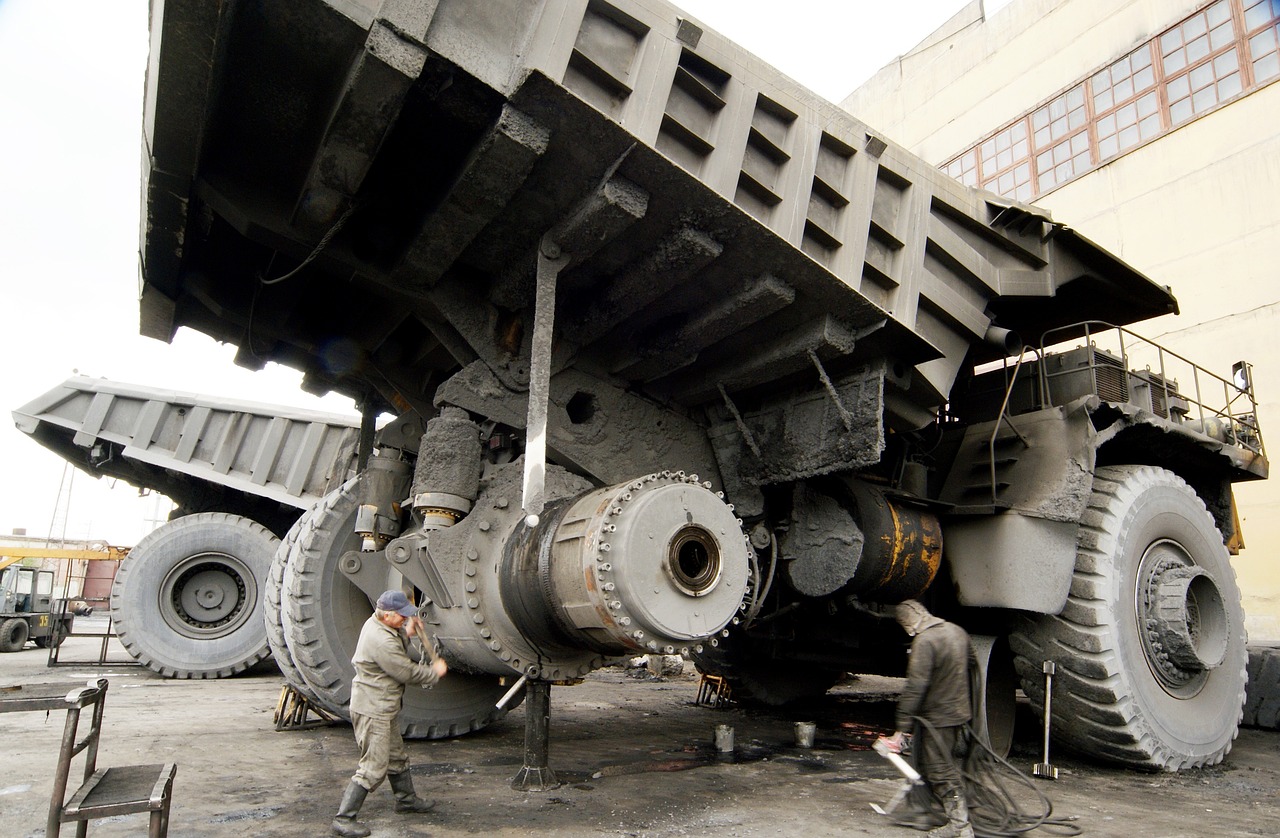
x=804, y=734
x=724, y=739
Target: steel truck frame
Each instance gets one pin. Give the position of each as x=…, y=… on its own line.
x=599, y=249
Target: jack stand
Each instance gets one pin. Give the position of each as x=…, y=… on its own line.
x=1045, y=770
x=536, y=774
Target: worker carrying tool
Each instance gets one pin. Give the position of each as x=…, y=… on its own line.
x=936, y=706
x=383, y=669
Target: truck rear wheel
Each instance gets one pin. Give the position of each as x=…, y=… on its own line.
x=271, y=608
x=323, y=613
x=187, y=603
x=13, y=634
x=1150, y=647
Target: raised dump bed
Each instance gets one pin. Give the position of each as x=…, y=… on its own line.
x=721, y=221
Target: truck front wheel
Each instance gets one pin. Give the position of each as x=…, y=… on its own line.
x=1150, y=648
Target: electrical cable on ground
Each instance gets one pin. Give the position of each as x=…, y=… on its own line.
x=994, y=811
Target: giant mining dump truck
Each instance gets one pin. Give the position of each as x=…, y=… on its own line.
x=686, y=360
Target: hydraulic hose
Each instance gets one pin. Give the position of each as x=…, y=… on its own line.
x=994, y=810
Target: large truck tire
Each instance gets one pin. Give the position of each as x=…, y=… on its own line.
x=187, y=603
x=323, y=613
x=272, y=619
x=1262, y=702
x=13, y=634
x=1150, y=648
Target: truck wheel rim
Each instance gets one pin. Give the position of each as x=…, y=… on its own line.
x=207, y=595
x=1181, y=618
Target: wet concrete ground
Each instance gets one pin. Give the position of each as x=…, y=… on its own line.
x=636, y=756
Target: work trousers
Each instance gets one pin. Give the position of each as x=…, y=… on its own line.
x=938, y=762
x=382, y=751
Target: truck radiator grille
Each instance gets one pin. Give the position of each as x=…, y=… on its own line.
x=1110, y=378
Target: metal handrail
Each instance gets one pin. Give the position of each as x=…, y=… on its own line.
x=1004, y=417
x=1241, y=426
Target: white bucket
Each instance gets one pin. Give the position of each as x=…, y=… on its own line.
x=804, y=734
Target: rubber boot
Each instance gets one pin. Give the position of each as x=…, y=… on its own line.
x=407, y=801
x=345, y=823
x=957, y=825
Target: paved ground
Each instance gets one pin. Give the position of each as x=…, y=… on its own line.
x=636, y=755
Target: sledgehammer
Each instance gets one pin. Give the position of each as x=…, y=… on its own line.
x=1044, y=769
x=428, y=645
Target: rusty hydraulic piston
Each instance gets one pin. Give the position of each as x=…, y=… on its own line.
x=447, y=477
x=550, y=262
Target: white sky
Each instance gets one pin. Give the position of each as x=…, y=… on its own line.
x=71, y=84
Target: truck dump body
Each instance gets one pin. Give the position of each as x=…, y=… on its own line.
x=721, y=221
x=190, y=447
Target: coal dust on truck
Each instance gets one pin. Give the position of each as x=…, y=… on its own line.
x=699, y=364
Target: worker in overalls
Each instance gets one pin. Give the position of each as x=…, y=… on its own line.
x=937, y=694
x=383, y=668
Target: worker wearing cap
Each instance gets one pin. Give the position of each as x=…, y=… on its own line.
x=937, y=692
x=383, y=668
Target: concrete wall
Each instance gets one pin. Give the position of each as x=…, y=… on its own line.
x=1195, y=209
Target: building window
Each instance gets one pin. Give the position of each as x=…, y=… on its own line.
x=1201, y=65
x=965, y=168
x=1262, y=28
x=1126, y=105
x=1006, y=162
x=1227, y=48
x=1062, y=139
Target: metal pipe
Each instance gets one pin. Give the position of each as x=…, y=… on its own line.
x=511, y=693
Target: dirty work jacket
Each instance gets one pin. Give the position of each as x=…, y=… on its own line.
x=937, y=687
x=383, y=667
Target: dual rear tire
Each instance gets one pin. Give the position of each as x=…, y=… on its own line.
x=322, y=613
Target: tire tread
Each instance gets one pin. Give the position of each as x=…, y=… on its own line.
x=1095, y=711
